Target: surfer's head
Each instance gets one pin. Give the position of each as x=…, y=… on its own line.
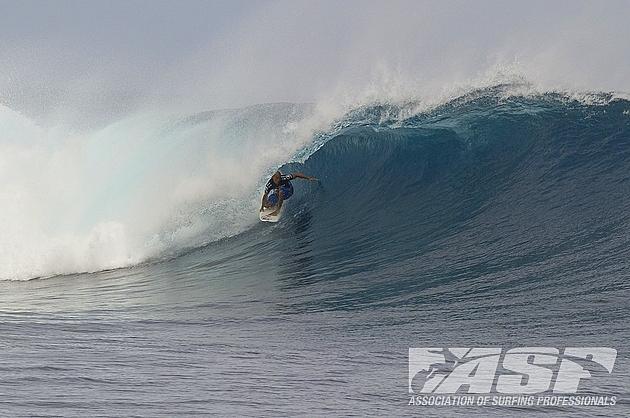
x=276, y=177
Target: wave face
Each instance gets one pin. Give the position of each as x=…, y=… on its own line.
x=483, y=186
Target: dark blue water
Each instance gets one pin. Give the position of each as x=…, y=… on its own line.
x=488, y=221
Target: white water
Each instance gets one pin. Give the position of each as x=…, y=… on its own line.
x=141, y=187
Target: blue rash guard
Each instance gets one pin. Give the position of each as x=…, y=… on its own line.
x=285, y=186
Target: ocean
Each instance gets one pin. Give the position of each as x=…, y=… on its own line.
x=488, y=220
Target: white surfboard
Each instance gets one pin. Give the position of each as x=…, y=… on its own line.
x=265, y=215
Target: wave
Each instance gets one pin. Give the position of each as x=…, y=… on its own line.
x=489, y=179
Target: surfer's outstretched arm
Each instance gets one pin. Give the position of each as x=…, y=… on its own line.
x=302, y=176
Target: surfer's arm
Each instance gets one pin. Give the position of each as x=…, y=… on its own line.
x=302, y=176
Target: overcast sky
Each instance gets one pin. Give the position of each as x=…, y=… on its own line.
x=232, y=53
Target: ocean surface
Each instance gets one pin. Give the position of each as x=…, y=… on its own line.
x=491, y=220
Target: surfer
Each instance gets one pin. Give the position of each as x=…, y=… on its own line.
x=279, y=188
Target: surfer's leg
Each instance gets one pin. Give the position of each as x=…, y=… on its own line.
x=272, y=199
x=279, y=204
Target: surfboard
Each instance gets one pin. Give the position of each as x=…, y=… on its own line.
x=265, y=214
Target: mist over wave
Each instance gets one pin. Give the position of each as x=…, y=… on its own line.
x=108, y=156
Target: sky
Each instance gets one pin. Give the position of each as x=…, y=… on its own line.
x=109, y=56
